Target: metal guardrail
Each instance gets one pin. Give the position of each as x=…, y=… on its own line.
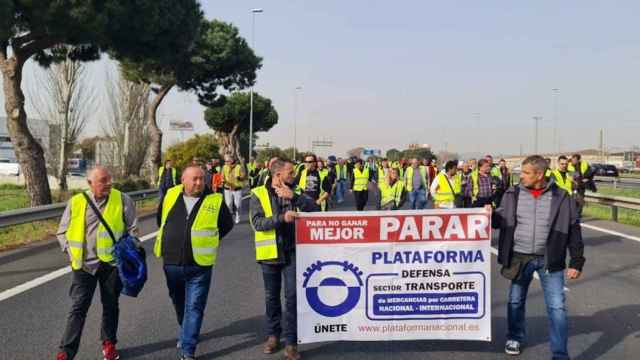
x=615, y=202
x=46, y=212
x=619, y=182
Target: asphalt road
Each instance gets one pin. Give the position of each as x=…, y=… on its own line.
x=604, y=310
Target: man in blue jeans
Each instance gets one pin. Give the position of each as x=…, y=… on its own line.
x=272, y=215
x=538, y=224
x=416, y=184
x=192, y=221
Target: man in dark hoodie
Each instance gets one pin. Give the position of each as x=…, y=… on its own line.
x=538, y=223
x=272, y=214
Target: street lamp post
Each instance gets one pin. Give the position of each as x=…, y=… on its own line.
x=556, y=139
x=295, y=121
x=253, y=43
x=537, y=121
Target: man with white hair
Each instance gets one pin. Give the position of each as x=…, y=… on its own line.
x=89, y=246
x=233, y=176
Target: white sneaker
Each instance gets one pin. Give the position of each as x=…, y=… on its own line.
x=237, y=218
x=512, y=347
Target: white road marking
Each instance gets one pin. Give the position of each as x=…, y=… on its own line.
x=48, y=277
x=67, y=269
x=610, y=232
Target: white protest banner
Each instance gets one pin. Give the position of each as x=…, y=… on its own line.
x=394, y=275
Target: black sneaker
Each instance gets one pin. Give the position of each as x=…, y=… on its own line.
x=512, y=347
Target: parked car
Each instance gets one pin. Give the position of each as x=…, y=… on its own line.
x=7, y=167
x=605, y=170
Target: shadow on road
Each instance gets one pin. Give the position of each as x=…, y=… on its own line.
x=613, y=326
x=251, y=328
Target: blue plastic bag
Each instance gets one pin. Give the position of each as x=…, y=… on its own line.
x=132, y=265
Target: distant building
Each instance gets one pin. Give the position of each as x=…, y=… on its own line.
x=419, y=146
x=39, y=129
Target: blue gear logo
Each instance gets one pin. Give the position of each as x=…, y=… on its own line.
x=332, y=275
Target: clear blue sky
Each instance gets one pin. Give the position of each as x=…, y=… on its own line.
x=385, y=74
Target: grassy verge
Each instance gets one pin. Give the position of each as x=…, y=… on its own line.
x=608, y=190
x=15, y=236
x=625, y=216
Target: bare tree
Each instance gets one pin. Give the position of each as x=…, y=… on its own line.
x=127, y=126
x=61, y=94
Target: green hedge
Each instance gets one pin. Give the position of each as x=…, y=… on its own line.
x=129, y=185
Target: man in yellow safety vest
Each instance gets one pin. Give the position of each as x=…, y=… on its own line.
x=312, y=181
x=562, y=177
x=233, y=177
x=446, y=186
x=167, y=177
x=272, y=214
x=360, y=184
x=416, y=184
x=89, y=246
x=192, y=221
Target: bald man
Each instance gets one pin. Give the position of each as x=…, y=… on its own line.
x=89, y=246
x=192, y=221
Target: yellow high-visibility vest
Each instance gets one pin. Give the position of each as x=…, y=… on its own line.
x=161, y=172
x=584, y=167
x=566, y=183
x=112, y=214
x=445, y=195
x=360, y=179
x=341, y=172
x=204, y=231
x=409, y=177
x=391, y=193
x=265, y=241
x=232, y=181
x=382, y=174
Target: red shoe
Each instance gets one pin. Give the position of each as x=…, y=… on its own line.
x=62, y=356
x=109, y=351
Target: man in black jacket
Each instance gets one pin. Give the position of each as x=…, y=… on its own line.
x=192, y=221
x=273, y=212
x=538, y=223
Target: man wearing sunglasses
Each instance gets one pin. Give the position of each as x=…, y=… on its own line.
x=310, y=182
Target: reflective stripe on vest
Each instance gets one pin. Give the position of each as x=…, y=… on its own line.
x=112, y=214
x=205, y=237
x=565, y=183
x=361, y=179
x=266, y=245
